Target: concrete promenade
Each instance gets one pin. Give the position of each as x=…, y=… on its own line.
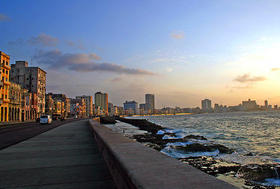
x=64, y=157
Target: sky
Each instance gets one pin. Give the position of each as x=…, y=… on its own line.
x=182, y=51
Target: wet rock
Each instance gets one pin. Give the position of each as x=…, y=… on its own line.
x=149, y=138
x=107, y=120
x=196, y=147
x=254, y=185
x=223, y=149
x=154, y=146
x=249, y=154
x=255, y=172
x=142, y=124
x=197, y=137
x=171, y=134
x=227, y=169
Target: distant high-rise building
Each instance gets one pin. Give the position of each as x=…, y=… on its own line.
x=206, y=105
x=88, y=101
x=250, y=105
x=101, y=100
x=110, y=109
x=130, y=107
x=150, y=102
x=142, y=106
x=266, y=104
x=33, y=79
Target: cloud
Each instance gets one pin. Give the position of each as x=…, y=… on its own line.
x=4, y=18
x=247, y=78
x=18, y=41
x=243, y=87
x=77, y=45
x=168, y=69
x=275, y=69
x=44, y=40
x=80, y=62
x=178, y=35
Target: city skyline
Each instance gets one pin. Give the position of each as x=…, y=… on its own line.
x=224, y=51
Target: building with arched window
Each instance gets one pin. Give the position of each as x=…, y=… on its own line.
x=4, y=86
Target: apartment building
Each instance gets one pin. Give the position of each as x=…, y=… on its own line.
x=4, y=86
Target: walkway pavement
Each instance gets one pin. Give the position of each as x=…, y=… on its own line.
x=65, y=157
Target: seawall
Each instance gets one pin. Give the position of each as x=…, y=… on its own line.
x=134, y=165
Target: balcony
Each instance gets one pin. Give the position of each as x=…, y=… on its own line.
x=6, y=82
x=6, y=66
x=2, y=100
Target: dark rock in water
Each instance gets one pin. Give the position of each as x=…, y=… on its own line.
x=255, y=185
x=196, y=147
x=149, y=138
x=211, y=166
x=171, y=134
x=223, y=149
x=255, y=172
x=154, y=146
x=107, y=120
x=226, y=169
x=197, y=137
x=249, y=154
x=142, y=124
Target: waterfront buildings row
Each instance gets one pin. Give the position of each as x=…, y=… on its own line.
x=131, y=107
x=247, y=105
x=23, y=95
x=22, y=90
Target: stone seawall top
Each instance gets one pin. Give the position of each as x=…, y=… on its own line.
x=133, y=165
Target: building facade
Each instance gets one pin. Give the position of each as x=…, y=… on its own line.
x=131, y=107
x=150, y=103
x=15, y=102
x=26, y=105
x=33, y=79
x=206, y=105
x=78, y=108
x=49, y=104
x=250, y=105
x=88, y=101
x=4, y=86
x=101, y=101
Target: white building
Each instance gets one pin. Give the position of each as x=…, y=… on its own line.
x=206, y=105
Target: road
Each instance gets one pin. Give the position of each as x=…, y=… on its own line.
x=13, y=134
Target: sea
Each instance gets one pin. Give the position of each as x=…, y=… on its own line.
x=254, y=133
x=246, y=132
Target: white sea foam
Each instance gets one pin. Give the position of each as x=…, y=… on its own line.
x=179, y=143
x=180, y=154
x=160, y=132
x=170, y=137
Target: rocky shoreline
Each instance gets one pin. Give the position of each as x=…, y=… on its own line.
x=197, y=151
